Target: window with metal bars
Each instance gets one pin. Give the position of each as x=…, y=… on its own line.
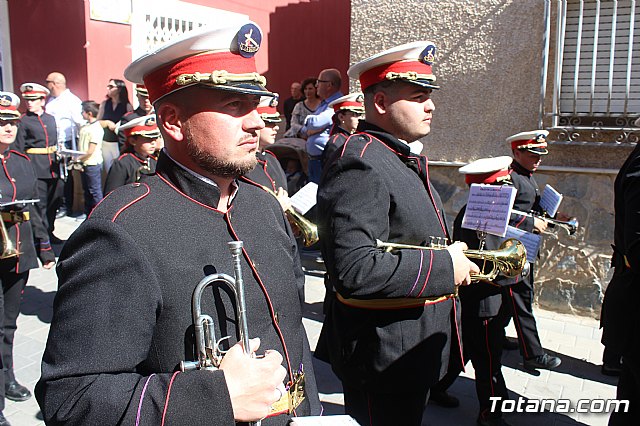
x=596, y=87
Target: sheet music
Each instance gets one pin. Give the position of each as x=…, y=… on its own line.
x=530, y=240
x=305, y=198
x=550, y=200
x=489, y=208
x=339, y=420
x=13, y=203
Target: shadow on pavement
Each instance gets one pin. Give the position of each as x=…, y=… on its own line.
x=572, y=366
x=38, y=303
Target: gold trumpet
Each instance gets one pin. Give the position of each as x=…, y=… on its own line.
x=308, y=230
x=510, y=259
x=8, y=249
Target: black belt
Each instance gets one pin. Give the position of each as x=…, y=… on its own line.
x=315, y=157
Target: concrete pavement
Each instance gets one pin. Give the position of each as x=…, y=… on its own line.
x=575, y=339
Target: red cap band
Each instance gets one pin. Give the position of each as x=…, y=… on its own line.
x=485, y=177
x=529, y=143
x=267, y=110
x=164, y=79
x=379, y=73
x=347, y=104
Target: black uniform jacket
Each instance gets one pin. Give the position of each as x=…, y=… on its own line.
x=122, y=315
x=620, y=306
x=18, y=182
x=268, y=172
x=335, y=142
x=527, y=197
x=377, y=189
x=481, y=299
x=126, y=169
x=39, y=131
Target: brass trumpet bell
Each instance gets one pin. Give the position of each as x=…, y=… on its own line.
x=308, y=230
x=510, y=259
x=8, y=249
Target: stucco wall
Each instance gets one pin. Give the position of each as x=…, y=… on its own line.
x=489, y=66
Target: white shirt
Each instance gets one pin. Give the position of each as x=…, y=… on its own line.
x=67, y=110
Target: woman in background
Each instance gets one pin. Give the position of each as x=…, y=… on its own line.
x=304, y=108
x=111, y=111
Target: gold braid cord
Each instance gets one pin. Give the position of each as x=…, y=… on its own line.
x=410, y=75
x=220, y=77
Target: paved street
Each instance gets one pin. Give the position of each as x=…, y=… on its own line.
x=575, y=339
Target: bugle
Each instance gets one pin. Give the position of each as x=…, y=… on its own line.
x=308, y=230
x=207, y=345
x=510, y=259
x=571, y=225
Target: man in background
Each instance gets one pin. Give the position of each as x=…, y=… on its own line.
x=66, y=108
x=317, y=126
x=296, y=96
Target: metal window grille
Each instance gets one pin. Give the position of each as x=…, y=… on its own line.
x=596, y=87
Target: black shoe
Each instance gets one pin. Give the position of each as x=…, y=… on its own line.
x=443, y=399
x=509, y=345
x=3, y=420
x=611, y=369
x=16, y=392
x=62, y=212
x=544, y=362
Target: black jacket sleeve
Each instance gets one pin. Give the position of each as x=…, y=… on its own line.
x=116, y=302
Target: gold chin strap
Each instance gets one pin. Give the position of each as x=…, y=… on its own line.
x=410, y=75
x=220, y=77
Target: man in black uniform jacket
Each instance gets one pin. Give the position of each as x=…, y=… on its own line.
x=389, y=330
x=37, y=137
x=482, y=332
x=621, y=331
x=142, y=134
x=268, y=171
x=528, y=149
x=120, y=330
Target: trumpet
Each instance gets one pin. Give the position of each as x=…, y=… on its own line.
x=207, y=345
x=510, y=259
x=308, y=230
x=571, y=226
x=8, y=249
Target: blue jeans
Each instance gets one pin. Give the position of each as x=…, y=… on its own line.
x=92, y=186
x=315, y=170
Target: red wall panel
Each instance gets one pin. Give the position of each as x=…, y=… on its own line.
x=48, y=36
x=108, y=51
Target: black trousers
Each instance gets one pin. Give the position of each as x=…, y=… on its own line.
x=12, y=286
x=628, y=388
x=385, y=409
x=517, y=302
x=50, y=195
x=483, y=338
